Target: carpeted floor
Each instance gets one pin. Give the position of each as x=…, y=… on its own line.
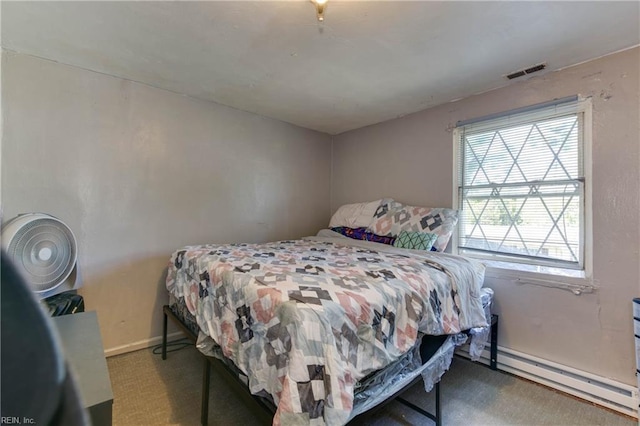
x=149, y=391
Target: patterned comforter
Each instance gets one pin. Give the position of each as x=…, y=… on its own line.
x=306, y=319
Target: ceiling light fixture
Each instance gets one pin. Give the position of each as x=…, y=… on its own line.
x=320, y=6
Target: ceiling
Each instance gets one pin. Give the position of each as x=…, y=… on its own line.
x=368, y=62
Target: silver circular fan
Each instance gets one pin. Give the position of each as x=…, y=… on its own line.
x=43, y=248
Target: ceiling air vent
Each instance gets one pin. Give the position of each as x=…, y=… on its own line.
x=527, y=71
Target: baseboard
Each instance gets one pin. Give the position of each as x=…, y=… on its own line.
x=141, y=344
x=599, y=390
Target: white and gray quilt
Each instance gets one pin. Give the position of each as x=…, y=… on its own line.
x=306, y=319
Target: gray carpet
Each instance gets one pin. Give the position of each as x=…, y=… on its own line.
x=149, y=391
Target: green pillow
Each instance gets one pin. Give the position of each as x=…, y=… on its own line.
x=415, y=240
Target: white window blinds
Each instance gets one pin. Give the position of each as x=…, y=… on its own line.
x=521, y=185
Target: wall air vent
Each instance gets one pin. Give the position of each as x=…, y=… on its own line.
x=527, y=71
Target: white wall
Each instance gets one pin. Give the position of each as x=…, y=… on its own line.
x=411, y=159
x=138, y=172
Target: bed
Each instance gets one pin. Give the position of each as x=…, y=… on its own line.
x=325, y=328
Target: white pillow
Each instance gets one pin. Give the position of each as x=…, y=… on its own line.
x=356, y=215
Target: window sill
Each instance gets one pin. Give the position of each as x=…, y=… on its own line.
x=575, y=281
x=533, y=269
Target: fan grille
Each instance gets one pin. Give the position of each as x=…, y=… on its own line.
x=45, y=248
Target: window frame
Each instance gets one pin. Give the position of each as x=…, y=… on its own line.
x=583, y=106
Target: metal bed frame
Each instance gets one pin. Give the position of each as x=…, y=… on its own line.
x=271, y=408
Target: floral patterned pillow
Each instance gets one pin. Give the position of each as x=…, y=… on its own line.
x=384, y=221
x=439, y=221
x=392, y=217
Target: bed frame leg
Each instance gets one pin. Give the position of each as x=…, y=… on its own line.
x=437, y=417
x=494, y=342
x=164, y=336
x=204, y=411
x=438, y=412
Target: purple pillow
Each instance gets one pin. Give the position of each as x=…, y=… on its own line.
x=363, y=234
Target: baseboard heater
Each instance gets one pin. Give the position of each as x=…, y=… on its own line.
x=599, y=390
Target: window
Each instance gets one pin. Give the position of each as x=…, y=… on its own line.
x=521, y=185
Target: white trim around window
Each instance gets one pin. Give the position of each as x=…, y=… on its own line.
x=496, y=201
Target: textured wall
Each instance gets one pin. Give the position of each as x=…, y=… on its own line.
x=411, y=159
x=138, y=172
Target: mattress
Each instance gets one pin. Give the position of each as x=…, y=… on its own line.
x=306, y=320
x=430, y=358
